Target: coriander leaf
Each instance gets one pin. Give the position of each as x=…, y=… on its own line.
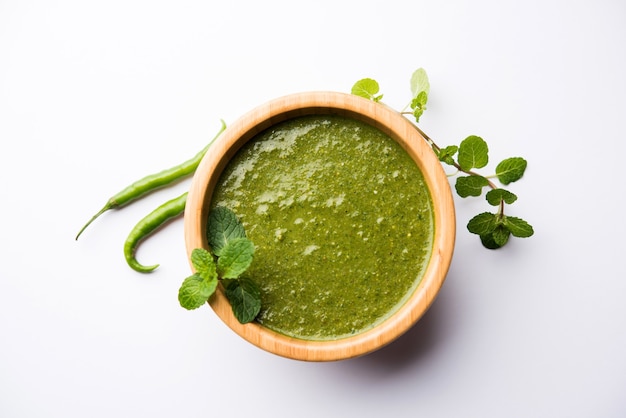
x=483, y=223
x=511, y=169
x=367, y=88
x=419, y=82
x=473, y=153
x=195, y=291
x=446, y=154
x=235, y=258
x=245, y=298
x=223, y=226
x=496, y=196
x=496, y=239
x=518, y=227
x=470, y=185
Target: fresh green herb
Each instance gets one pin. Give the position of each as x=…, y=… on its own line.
x=367, y=88
x=232, y=253
x=420, y=88
x=222, y=226
x=494, y=229
x=245, y=298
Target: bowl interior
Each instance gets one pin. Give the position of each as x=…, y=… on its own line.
x=389, y=122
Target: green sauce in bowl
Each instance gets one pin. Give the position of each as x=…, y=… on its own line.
x=342, y=220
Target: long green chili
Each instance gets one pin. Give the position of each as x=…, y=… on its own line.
x=153, y=182
x=155, y=219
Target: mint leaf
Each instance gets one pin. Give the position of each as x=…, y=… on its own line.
x=223, y=226
x=473, y=153
x=419, y=82
x=496, y=196
x=195, y=291
x=511, y=169
x=470, y=185
x=518, y=227
x=367, y=88
x=201, y=259
x=483, y=223
x=500, y=235
x=446, y=155
x=419, y=100
x=495, y=239
x=235, y=258
x=488, y=242
x=245, y=298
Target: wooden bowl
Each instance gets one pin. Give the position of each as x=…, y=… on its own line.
x=391, y=123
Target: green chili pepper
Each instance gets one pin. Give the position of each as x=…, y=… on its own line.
x=153, y=182
x=155, y=219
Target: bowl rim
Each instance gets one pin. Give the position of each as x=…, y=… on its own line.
x=392, y=123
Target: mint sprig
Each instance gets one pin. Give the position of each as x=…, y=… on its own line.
x=420, y=88
x=494, y=229
x=230, y=256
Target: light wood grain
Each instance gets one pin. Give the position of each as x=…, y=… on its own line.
x=398, y=128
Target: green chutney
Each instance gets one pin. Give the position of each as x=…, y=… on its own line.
x=342, y=221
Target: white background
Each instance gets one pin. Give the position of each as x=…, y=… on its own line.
x=94, y=95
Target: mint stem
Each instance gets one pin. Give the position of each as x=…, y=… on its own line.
x=432, y=143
